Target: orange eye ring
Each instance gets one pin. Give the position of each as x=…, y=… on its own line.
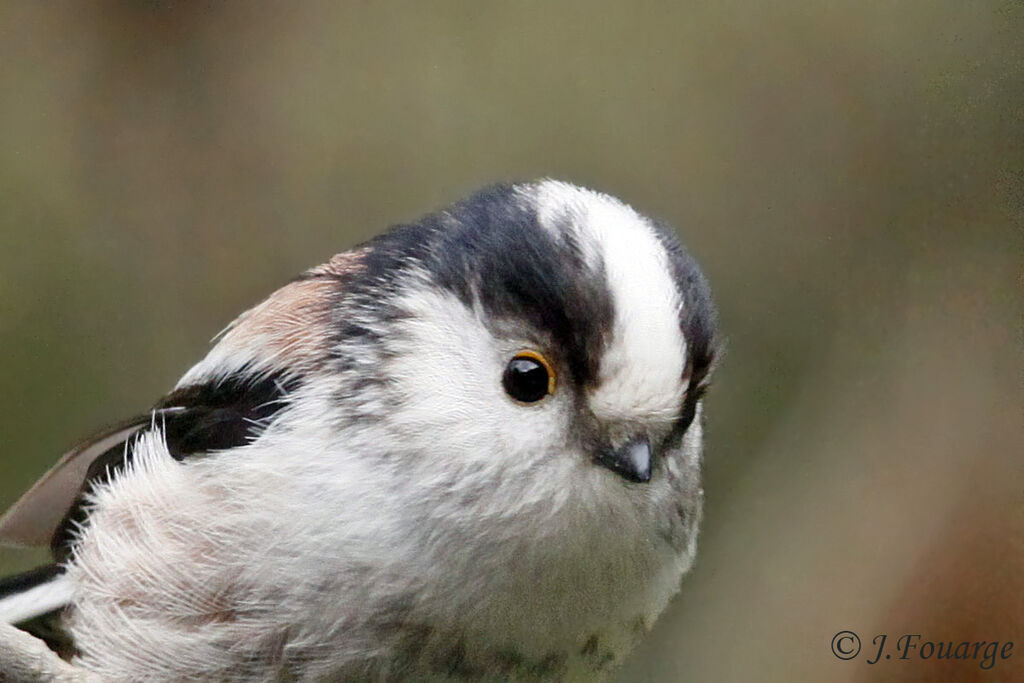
x=529, y=377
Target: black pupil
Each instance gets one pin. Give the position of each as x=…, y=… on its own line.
x=526, y=380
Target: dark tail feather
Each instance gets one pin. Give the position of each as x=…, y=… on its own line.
x=19, y=583
x=33, y=601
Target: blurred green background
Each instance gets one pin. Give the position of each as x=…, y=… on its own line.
x=850, y=175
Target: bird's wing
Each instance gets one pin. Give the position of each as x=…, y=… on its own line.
x=223, y=402
x=218, y=414
x=32, y=520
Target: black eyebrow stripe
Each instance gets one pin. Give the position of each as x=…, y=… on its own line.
x=492, y=249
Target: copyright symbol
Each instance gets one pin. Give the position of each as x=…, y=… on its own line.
x=845, y=645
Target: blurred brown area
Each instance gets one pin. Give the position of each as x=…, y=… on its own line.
x=850, y=174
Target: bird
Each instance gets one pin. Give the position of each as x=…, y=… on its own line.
x=469, y=448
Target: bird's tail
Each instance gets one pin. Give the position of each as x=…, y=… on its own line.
x=33, y=594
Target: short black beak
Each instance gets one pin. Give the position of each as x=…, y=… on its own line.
x=632, y=460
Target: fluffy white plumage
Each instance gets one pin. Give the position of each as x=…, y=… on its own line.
x=397, y=515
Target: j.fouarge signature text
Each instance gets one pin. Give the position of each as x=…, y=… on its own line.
x=846, y=645
x=911, y=646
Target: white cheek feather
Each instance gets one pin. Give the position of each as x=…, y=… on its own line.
x=535, y=483
x=449, y=366
x=642, y=368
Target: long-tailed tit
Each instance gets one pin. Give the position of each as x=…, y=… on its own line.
x=469, y=448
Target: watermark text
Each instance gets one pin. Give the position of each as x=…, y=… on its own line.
x=846, y=645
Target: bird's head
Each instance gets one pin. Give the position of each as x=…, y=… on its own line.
x=536, y=347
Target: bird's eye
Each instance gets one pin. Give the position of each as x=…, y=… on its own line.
x=528, y=377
